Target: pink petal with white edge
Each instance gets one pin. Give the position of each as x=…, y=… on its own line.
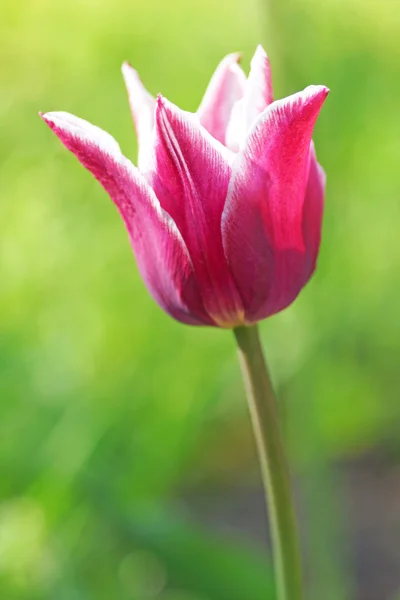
x=258, y=94
x=192, y=172
x=225, y=88
x=142, y=107
x=269, y=247
x=160, y=252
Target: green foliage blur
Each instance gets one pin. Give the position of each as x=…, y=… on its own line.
x=110, y=411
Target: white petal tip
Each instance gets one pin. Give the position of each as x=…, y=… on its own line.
x=232, y=59
x=70, y=125
x=64, y=120
x=59, y=118
x=130, y=74
x=317, y=90
x=237, y=56
x=166, y=111
x=164, y=104
x=260, y=51
x=313, y=95
x=127, y=68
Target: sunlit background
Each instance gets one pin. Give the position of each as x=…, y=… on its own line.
x=128, y=469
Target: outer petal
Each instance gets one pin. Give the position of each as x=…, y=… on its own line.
x=258, y=94
x=265, y=241
x=313, y=211
x=191, y=180
x=160, y=252
x=225, y=88
x=142, y=107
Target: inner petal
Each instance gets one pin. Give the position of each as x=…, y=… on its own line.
x=191, y=180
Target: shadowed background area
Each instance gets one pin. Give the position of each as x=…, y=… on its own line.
x=128, y=469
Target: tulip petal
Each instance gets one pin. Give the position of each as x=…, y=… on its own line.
x=161, y=254
x=313, y=211
x=258, y=94
x=268, y=246
x=225, y=88
x=142, y=107
x=192, y=172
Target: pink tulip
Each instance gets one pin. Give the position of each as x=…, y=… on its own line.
x=224, y=210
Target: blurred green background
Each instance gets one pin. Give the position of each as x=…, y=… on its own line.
x=128, y=469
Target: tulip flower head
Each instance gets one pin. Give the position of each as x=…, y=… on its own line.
x=224, y=210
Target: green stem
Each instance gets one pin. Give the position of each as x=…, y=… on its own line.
x=274, y=468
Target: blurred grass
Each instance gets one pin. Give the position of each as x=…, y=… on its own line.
x=94, y=379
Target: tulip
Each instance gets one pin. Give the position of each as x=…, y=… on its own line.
x=225, y=207
x=224, y=216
